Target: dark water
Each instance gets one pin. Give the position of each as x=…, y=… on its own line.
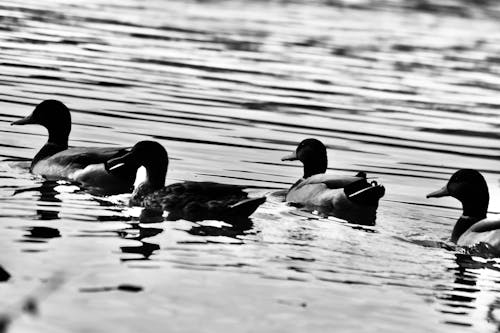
x=408, y=93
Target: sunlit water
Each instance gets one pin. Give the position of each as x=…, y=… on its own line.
x=228, y=87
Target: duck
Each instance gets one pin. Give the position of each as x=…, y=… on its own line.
x=189, y=200
x=350, y=198
x=85, y=165
x=473, y=227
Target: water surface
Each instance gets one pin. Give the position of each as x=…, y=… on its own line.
x=408, y=95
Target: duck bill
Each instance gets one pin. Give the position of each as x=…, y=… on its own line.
x=291, y=157
x=443, y=192
x=24, y=121
x=116, y=164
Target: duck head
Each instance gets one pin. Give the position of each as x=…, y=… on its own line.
x=312, y=154
x=54, y=116
x=469, y=187
x=149, y=154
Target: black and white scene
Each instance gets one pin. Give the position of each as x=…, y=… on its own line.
x=249, y=166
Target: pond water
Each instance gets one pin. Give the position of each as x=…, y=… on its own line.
x=408, y=95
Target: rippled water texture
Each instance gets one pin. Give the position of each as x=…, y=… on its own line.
x=228, y=87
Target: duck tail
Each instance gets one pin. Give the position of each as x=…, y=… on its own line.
x=364, y=193
x=246, y=207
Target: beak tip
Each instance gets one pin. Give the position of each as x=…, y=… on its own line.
x=443, y=192
x=290, y=157
x=22, y=121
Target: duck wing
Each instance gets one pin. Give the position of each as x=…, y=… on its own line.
x=331, y=181
x=81, y=157
x=486, y=231
x=197, y=201
x=65, y=163
x=485, y=225
x=356, y=188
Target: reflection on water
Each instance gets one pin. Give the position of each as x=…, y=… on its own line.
x=473, y=290
x=4, y=275
x=40, y=233
x=47, y=194
x=404, y=90
x=138, y=233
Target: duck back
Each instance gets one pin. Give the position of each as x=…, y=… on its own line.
x=357, y=202
x=197, y=201
x=63, y=163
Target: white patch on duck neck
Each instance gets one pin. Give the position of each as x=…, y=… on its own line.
x=142, y=187
x=141, y=176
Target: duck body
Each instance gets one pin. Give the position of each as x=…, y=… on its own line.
x=336, y=201
x=319, y=190
x=85, y=165
x=473, y=227
x=193, y=201
x=484, y=231
x=350, y=198
x=66, y=163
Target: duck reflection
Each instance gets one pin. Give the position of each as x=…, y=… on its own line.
x=237, y=228
x=41, y=234
x=4, y=276
x=491, y=316
x=137, y=231
x=48, y=194
x=471, y=291
x=460, y=299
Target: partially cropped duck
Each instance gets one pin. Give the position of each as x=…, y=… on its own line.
x=85, y=165
x=351, y=198
x=189, y=200
x=469, y=187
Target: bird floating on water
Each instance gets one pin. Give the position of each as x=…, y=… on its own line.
x=473, y=227
x=189, y=200
x=85, y=165
x=351, y=198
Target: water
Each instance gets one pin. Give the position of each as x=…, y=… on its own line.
x=228, y=87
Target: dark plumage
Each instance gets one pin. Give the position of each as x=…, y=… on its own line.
x=192, y=201
x=469, y=187
x=351, y=198
x=85, y=165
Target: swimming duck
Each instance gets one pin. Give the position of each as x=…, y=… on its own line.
x=350, y=198
x=189, y=200
x=85, y=165
x=469, y=187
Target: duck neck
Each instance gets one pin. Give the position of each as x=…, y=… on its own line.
x=155, y=176
x=475, y=207
x=463, y=224
x=474, y=210
x=59, y=136
x=156, y=182
x=315, y=167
